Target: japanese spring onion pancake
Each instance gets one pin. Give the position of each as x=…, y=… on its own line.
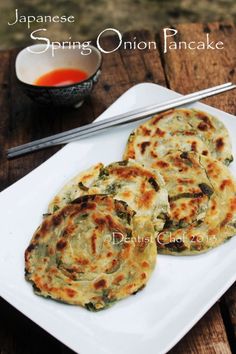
x=179, y=129
x=202, y=196
x=74, y=188
x=141, y=188
x=87, y=254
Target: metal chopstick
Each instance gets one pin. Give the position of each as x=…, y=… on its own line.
x=120, y=119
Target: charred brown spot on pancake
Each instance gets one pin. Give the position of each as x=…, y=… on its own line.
x=213, y=206
x=128, y=288
x=31, y=247
x=146, y=198
x=162, y=164
x=93, y=242
x=130, y=172
x=219, y=144
x=203, y=126
x=185, y=180
x=204, y=119
x=188, y=133
x=51, y=251
x=88, y=176
x=130, y=153
x=127, y=194
x=233, y=204
x=145, y=131
x=118, y=279
x=69, y=229
x=213, y=170
x=153, y=154
x=182, y=162
x=176, y=246
x=194, y=146
x=186, y=112
x=70, y=292
x=205, y=152
x=227, y=219
x=212, y=232
x=100, y=284
x=144, y=145
x=99, y=220
x=37, y=236
x=184, y=132
x=225, y=183
x=45, y=227
x=61, y=244
x=160, y=116
x=145, y=264
x=114, y=266
x=112, y=224
x=81, y=261
x=87, y=206
x=160, y=132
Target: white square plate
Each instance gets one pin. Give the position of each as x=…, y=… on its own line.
x=181, y=289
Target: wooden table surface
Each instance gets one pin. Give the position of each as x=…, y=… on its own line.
x=21, y=120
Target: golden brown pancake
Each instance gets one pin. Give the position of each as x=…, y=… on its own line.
x=75, y=188
x=87, y=253
x=202, y=196
x=141, y=187
x=179, y=129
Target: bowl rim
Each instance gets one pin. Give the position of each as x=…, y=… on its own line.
x=91, y=76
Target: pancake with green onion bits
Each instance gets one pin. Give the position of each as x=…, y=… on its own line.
x=140, y=187
x=87, y=253
x=202, y=196
x=179, y=129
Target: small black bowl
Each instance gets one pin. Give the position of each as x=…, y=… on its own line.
x=35, y=61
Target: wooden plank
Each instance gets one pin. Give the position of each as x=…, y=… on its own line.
x=142, y=65
x=207, y=336
x=126, y=68
x=4, y=108
x=192, y=70
x=18, y=334
x=230, y=301
x=187, y=71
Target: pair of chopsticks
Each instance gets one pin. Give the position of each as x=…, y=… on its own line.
x=121, y=119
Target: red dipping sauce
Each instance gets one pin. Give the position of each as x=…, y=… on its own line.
x=61, y=77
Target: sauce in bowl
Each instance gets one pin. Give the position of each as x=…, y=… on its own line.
x=61, y=77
